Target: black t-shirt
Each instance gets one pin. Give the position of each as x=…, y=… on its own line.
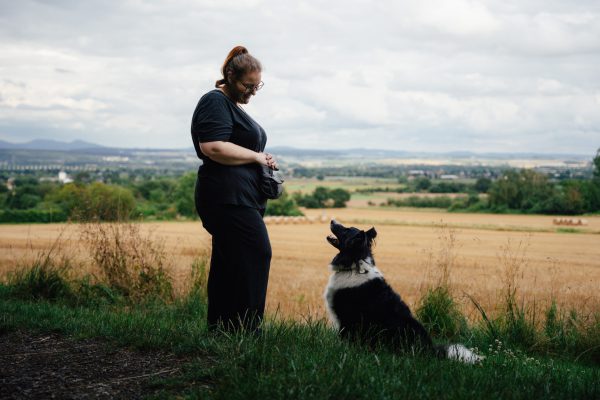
x=217, y=118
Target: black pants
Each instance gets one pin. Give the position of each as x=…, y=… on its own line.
x=239, y=266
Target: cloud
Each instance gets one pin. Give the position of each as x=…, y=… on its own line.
x=416, y=75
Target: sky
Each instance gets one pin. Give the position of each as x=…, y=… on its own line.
x=423, y=75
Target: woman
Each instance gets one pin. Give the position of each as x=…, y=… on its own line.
x=228, y=197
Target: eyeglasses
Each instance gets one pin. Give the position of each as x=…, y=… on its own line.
x=252, y=88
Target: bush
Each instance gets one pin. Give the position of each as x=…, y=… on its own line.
x=95, y=201
x=133, y=264
x=448, y=187
x=33, y=215
x=45, y=278
x=323, y=198
x=483, y=185
x=421, y=201
x=285, y=205
x=440, y=314
x=184, y=195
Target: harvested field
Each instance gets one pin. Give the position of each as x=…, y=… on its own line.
x=552, y=263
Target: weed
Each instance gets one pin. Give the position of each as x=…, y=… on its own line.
x=437, y=309
x=46, y=277
x=517, y=320
x=440, y=314
x=131, y=263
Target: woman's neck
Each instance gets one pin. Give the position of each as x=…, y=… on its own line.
x=226, y=92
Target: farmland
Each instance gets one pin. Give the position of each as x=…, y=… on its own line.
x=563, y=263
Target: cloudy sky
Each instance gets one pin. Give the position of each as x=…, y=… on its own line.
x=422, y=75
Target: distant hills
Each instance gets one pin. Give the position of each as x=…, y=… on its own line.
x=48, y=144
x=356, y=153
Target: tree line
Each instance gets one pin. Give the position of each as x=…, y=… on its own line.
x=156, y=197
x=147, y=198
x=524, y=191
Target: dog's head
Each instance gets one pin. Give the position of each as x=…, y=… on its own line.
x=353, y=244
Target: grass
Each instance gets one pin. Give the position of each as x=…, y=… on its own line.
x=552, y=355
x=568, y=230
x=300, y=360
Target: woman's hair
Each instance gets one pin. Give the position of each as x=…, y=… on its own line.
x=238, y=62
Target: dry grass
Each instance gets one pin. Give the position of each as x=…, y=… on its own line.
x=409, y=246
x=134, y=263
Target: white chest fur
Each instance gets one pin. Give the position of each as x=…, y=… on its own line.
x=344, y=279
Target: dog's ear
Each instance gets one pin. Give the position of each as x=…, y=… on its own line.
x=371, y=233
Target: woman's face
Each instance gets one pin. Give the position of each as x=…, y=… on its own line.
x=241, y=90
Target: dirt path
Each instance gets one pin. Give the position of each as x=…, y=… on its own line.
x=46, y=366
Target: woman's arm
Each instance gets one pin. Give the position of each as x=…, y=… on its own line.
x=228, y=153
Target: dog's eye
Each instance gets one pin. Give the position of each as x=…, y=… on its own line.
x=356, y=241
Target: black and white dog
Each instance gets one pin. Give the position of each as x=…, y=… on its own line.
x=364, y=307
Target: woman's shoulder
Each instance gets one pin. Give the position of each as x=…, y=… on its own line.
x=214, y=95
x=214, y=100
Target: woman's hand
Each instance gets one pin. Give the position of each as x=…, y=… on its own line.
x=227, y=153
x=271, y=162
x=267, y=160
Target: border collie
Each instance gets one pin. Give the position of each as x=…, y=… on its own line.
x=364, y=307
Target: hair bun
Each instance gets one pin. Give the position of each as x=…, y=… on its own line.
x=238, y=62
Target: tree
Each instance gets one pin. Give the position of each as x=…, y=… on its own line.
x=24, y=196
x=323, y=198
x=596, y=162
x=422, y=184
x=95, y=201
x=482, y=185
x=520, y=190
x=285, y=205
x=340, y=197
x=109, y=202
x=184, y=195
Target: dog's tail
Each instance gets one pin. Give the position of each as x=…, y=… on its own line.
x=458, y=352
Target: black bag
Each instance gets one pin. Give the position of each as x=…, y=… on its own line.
x=271, y=184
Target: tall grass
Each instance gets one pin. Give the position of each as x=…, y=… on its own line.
x=541, y=327
x=531, y=326
x=134, y=264
x=437, y=309
x=133, y=271
x=44, y=277
x=306, y=360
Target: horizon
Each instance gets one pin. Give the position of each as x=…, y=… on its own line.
x=191, y=148
x=426, y=75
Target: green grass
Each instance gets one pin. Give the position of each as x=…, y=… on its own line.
x=569, y=230
x=307, y=360
x=301, y=360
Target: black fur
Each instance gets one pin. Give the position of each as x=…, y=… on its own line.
x=371, y=312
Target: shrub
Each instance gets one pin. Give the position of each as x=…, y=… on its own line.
x=420, y=201
x=285, y=205
x=95, y=201
x=45, y=278
x=437, y=309
x=440, y=314
x=133, y=264
x=33, y=215
x=323, y=198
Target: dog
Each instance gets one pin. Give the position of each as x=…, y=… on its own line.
x=364, y=307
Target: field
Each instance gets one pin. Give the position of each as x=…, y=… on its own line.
x=563, y=263
x=297, y=356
